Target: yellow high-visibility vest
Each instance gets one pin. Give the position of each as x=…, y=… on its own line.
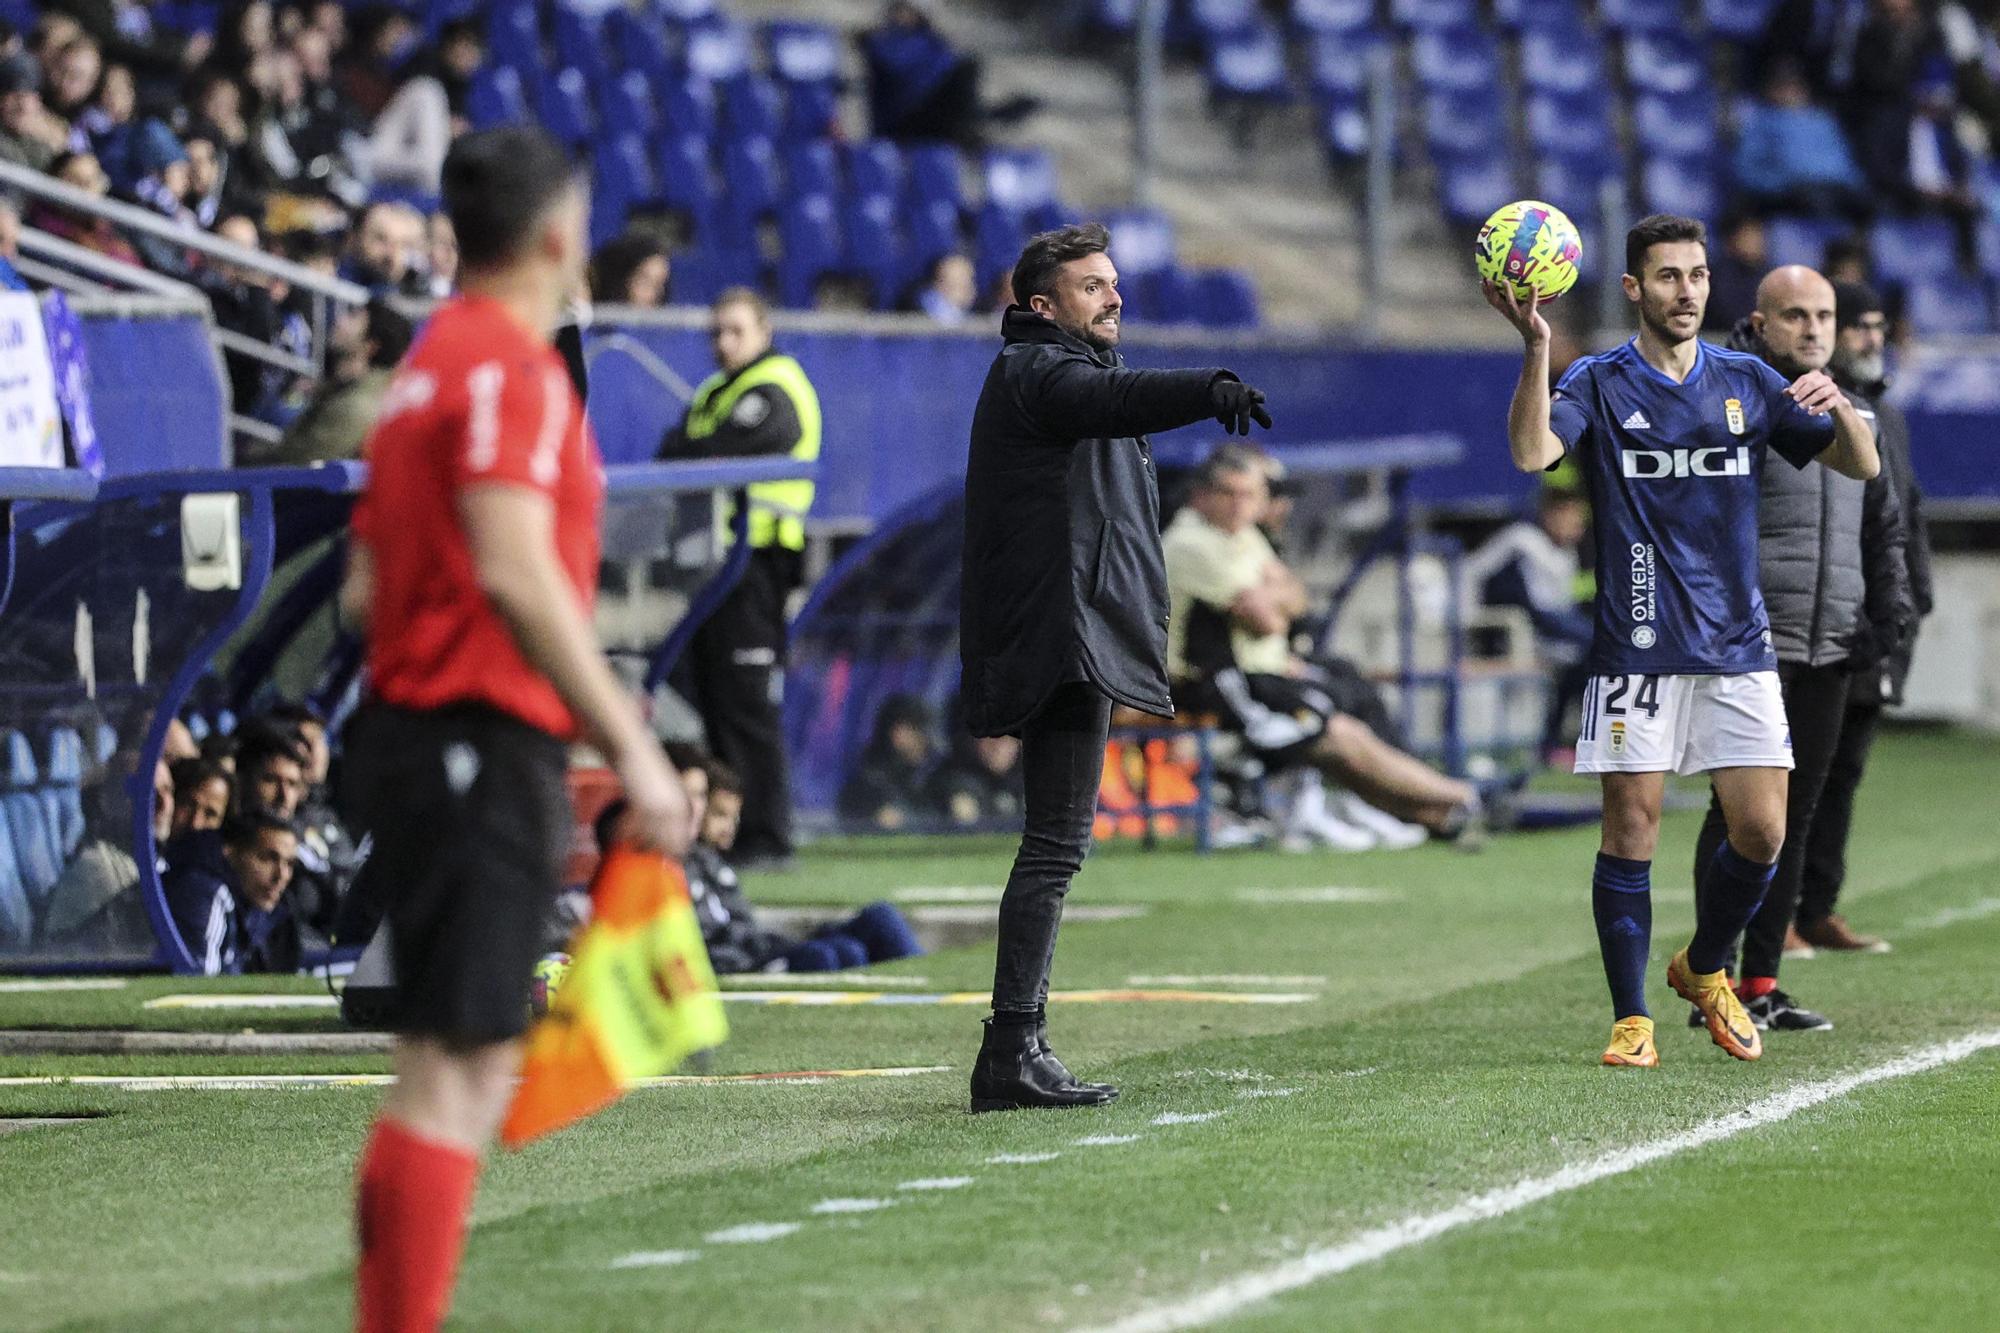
x=779, y=508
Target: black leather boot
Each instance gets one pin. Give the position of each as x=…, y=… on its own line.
x=1012, y=1073
x=1042, y=1040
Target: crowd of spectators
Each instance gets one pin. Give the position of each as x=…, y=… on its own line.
x=905, y=781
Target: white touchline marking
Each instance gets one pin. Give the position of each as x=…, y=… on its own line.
x=1228, y=979
x=1952, y=916
x=948, y=893
x=1221, y=1302
x=1021, y=1158
x=937, y=1183
x=1360, y=1073
x=1250, y=1094
x=655, y=1258
x=1331, y=893
x=61, y=983
x=1106, y=1140
x=768, y=980
x=1185, y=1117
x=827, y=1206
x=752, y=1233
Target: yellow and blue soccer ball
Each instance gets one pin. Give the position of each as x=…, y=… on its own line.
x=549, y=975
x=1531, y=245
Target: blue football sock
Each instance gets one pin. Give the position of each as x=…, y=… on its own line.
x=1732, y=888
x=1621, y=898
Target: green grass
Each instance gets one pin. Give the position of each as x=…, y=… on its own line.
x=1451, y=1049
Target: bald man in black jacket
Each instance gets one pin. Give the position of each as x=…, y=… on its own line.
x=1064, y=606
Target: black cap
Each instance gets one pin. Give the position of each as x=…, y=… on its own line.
x=1852, y=300
x=20, y=74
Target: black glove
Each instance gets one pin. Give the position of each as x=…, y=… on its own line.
x=1237, y=405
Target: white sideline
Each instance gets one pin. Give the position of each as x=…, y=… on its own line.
x=1230, y=1298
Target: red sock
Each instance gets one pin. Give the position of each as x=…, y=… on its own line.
x=412, y=1198
x=1751, y=987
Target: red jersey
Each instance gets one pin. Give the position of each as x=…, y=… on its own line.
x=478, y=400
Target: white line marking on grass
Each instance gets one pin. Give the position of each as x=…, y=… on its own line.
x=752, y=1233
x=768, y=980
x=1331, y=893
x=1250, y=1094
x=1227, y=979
x=937, y=1183
x=1231, y=1297
x=948, y=893
x=655, y=1258
x=826, y=1207
x=1106, y=1140
x=242, y=1001
x=1021, y=1158
x=1185, y=1117
x=1952, y=916
x=60, y=983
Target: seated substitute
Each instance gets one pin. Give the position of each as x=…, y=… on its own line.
x=226, y=890
x=1233, y=603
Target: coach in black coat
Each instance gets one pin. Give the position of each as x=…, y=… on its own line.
x=1064, y=607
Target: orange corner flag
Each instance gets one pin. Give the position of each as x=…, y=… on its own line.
x=639, y=999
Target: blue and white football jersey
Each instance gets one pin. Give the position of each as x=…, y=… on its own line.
x=1673, y=472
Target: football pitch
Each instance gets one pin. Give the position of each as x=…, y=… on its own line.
x=1359, y=1092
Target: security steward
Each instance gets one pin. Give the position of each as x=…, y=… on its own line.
x=758, y=404
x=1064, y=601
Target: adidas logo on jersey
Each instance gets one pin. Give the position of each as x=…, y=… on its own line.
x=1719, y=461
x=1637, y=421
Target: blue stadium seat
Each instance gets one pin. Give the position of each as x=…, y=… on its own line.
x=1165, y=296
x=1472, y=185
x=514, y=35
x=1142, y=243
x=809, y=234
x=638, y=45
x=1455, y=59
x=1574, y=124
x=1741, y=21
x=579, y=44
x=1334, y=17
x=750, y=172
x=1903, y=250
x=1540, y=16
x=1987, y=246
x=1683, y=185
x=1109, y=18
x=496, y=98
x=1434, y=13
x=812, y=111
x=1575, y=184
x=1225, y=298
x=1021, y=180
x=1249, y=65
x=688, y=183
x=687, y=12
x=1206, y=22
x=1643, y=16
x=752, y=107
x=37, y=852
x=802, y=52
x=1799, y=240
x=875, y=166
x=623, y=179
x=566, y=110
x=717, y=51
x=627, y=105
x=1343, y=126
x=1683, y=126
x=998, y=235
x=1465, y=122
x=932, y=230
x=64, y=777
x=701, y=274
x=1664, y=64
x=17, y=918
x=1949, y=307
x=1562, y=60
x=811, y=168
x=874, y=248
x=935, y=173
x=688, y=106
x=1337, y=64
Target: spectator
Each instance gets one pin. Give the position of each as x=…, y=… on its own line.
x=328, y=856
x=28, y=134
x=887, y=789
x=126, y=33
x=1738, y=265
x=203, y=794
x=107, y=124
x=245, y=34
x=73, y=76
x=1817, y=36
x=222, y=748
x=88, y=230
x=1791, y=155
x=632, y=270
x=441, y=249
x=1895, y=45
x=386, y=238
x=1971, y=42
x=1535, y=567
x=271, y=770
x=1939, y=165
x=367, y=72
x=10, y=243
x=364, y=348
x=180, y=743
x=408, y=140
x=225, y=889
x=1232, y=604
x=241, y=299
x=1845, y=260
x=163, y=803
x=978, y=785
x=920, y=88
x=949, y=296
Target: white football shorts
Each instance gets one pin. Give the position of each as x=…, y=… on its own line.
x=1683, y=724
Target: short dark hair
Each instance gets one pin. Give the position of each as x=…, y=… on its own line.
x=498, y=184
x=390, y=335
x=264, y=740
x=612, y=267
x=293, y=715
x=1659, y=229
x=1044, y=255
x=722, y=779
x=248, y=825
x=191, y=775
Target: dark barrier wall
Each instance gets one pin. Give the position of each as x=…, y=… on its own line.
x=156, y=391
x=898, y=406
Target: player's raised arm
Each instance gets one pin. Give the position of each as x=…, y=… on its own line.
x=1853, y=452
x=1533, y=445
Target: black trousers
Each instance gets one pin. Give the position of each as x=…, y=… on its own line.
x=1062, y=760
x=1815, y=705
x=1826, y=843
x=734, y=677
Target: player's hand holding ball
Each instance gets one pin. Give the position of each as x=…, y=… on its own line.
x=1527, y=255
x=1816, y=392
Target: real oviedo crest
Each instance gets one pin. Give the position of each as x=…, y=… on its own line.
x=1733, y=409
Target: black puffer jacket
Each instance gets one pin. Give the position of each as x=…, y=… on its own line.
x=1889, y=637
x=1820, y=535
x=1063, y=576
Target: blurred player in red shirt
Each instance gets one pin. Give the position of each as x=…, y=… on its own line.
x=474, y=565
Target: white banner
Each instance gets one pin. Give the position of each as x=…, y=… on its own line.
x=30, y=429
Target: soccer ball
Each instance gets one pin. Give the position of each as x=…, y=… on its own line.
x=549, y=975
x=1532, y=245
